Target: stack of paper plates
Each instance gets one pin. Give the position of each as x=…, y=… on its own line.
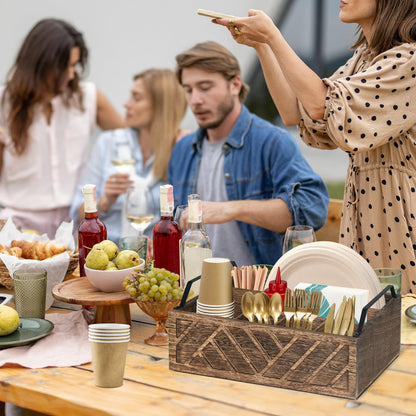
x=327, y=263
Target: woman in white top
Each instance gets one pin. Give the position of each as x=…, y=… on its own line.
x=47, y=115
x=154, y=112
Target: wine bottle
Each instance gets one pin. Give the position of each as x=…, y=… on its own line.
x=91, y=230
x=166, y=234
x=195, y=245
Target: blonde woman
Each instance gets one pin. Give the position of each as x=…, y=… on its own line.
x=154, y=112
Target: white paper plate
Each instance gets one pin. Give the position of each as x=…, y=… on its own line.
x=327, y=263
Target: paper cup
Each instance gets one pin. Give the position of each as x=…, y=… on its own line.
x=216, y=282
x=108, y=362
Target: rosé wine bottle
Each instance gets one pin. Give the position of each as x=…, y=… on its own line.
x=166, y=234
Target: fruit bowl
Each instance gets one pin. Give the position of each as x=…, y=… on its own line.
x=159, y=311
x=110, y=280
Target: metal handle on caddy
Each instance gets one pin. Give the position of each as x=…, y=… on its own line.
x=370, y=304
x=186, y=291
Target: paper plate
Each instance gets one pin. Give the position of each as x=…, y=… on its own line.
x=327, y=263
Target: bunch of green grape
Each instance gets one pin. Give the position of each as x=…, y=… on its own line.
x=155, y=285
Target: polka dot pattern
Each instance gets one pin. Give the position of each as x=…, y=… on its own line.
x=371, y=114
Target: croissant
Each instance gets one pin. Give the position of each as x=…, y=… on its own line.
x=14, y=251
x=37, y=250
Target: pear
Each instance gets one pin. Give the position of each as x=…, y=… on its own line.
x=97, y=259
x=109, y=247
x=9, y=320
x=126, y=259
x=111, y=266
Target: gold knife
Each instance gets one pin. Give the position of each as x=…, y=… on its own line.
x=338, y=318
x=329, y=322
x=351, y=327
x=346, y=319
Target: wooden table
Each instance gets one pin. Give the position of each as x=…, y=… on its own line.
x=150, y=388
x=109, y=307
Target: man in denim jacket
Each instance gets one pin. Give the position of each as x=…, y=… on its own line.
x=250, y=174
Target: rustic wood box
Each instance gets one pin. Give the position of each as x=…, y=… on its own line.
x=274, y=355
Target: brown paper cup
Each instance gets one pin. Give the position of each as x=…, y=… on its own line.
x=108, y=362
x=216, y=282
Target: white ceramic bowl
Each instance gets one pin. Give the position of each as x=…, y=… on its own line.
x=110, y=280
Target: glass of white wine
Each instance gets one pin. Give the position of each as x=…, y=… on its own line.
x=297, y=235
x=139, y=208
x=123, y=158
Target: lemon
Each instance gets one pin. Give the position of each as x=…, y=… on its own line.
x=9, y=320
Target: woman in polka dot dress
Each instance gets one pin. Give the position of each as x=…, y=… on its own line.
x=368, y=109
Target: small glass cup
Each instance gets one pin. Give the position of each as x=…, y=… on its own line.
x=30, y=284
x=297, y=235
x=390, y=276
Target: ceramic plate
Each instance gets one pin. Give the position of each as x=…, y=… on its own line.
x=31, y=329
x=327, y=263
x=411, y=313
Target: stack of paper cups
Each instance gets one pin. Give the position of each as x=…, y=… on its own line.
x=216, y=291
x=109, y=349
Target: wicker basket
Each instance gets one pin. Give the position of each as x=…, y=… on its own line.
x=7, y=281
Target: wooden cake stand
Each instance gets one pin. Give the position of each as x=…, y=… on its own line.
x=109, y=306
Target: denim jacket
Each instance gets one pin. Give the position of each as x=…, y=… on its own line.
x=261, y=161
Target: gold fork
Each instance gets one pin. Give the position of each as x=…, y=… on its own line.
x=313, y=307
x=289, y=306
x=301, y=306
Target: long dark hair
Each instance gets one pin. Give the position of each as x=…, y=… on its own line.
x=40, y=69
x=394, y=24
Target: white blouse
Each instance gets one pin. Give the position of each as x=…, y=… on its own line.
x=46, y=174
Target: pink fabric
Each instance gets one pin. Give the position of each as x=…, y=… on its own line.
x=67, y=345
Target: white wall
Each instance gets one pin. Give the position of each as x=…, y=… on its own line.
x=128, y=36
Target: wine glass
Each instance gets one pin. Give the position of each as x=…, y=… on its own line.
x=297, y=235
x=123, y=160
x=139, y=207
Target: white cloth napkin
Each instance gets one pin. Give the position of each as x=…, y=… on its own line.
x=67, y=345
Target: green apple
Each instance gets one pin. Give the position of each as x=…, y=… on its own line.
x=9, y=320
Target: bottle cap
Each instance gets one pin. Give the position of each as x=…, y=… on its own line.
x=90, y=198
x=281, y=285
x=195, y=209
x=166, y=200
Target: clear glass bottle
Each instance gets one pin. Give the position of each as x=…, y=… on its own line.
x=91, y=230
x=195, y=244
x=166, y=234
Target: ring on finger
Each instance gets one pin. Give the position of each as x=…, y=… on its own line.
x=237, y=30
x=231, y=21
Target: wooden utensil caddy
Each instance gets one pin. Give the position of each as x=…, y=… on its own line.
x=274, y=355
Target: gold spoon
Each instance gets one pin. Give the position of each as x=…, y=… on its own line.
x=247, y=306
x=275, y=307
x=259, y=306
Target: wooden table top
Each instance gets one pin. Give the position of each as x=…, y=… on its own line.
x=150, y=388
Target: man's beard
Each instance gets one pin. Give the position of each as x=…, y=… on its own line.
x=224, y=109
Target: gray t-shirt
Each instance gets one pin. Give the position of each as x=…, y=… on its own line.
x=227, y=240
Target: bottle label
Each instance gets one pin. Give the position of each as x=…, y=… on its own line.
x=166, y=200
x=195, y=211
x=90, y=198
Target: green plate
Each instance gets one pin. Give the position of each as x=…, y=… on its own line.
x=411, y=313
x=30, y=330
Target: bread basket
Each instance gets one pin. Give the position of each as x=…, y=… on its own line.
x=7, y=281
